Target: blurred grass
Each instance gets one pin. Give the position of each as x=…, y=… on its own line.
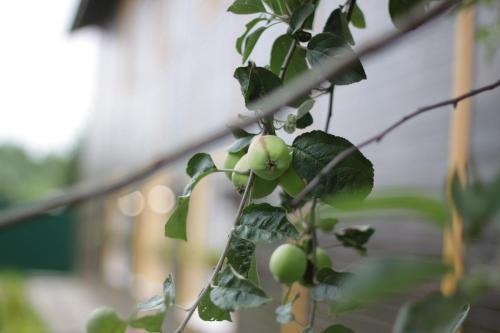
x=16, y=313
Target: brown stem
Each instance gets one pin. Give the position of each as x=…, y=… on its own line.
x=268, y=122
x=330, y=108
x=220, y=263
x=314, y=243
x=377, y=138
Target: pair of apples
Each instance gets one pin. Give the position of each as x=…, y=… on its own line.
x=270, y=158
x=288, y=263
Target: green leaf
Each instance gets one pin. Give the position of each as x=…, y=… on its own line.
x=199, y=166
x=176, y=223
x=105, y=320
x=253, y=273
x=355, y=237
x=249, y=26
x=239, y=133
x=208, y=311
x=150, y=323
x=377, y=279
x=353, y=176
x=154, y=303
x=234, y=292
x=239, y=255
x=358, y=18
x=290, y=124
x=434, y=314
x=309, y=22
x=297, y=64
x=284, y=313
x=327, y=45
x=477, y=204
x=250, y=42
x=337, y=24
x=255, y=82
x=308, y=330
x=265, y=223
x=284, y=7
x=305, y=107
x=304, y=121
x=402, y=10
x=169, y=290
x=161, y=302
x=434, y=211
x=300, y=16
x=329, y=282
x=240, y=144
x=338, y=329
x=247, y=7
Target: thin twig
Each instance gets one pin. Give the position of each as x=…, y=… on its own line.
x=377, y=138
x=314, y=241
x=312, y=223
x=288, y=58
x=269, y=104
x=268, y=121
x=220, y=263
x=330, y=108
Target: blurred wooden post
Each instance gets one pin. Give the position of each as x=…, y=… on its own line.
x=299, y=309
x=453, y=248
x=150, y=261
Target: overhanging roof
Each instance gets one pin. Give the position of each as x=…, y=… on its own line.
x=94, y=12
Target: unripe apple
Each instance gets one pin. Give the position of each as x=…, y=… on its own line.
x=327, y=224
x=291, y=182
x=269, y=156
x=104, y=320
x=288, y=263
x=231, y=160
x=261, y=187
x=322, y=259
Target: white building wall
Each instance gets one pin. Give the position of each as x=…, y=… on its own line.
x=166, y=77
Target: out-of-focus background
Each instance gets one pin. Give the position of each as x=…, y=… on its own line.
x=92, y=89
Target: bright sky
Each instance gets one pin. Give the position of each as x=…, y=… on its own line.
x=47, y=76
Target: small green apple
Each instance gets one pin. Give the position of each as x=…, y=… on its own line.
x=105, y=320
x=291, y=182
x=269, y=156
x=261, y=187
x=231, y=160
x=288, y=263
x=322, y=259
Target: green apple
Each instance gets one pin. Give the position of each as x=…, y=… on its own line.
x=326, y=224
x=231, y=160
x=288, y=263
x=291, y=182
x=261, y=187
x=322, y=259
x=269, y=156
x=104, y=320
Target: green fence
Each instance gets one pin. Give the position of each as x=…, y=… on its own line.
x=46, y=242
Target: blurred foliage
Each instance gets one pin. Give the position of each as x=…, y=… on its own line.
x=489, y=33
x=24, y=177
x=16, y=314
x=478, y=204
